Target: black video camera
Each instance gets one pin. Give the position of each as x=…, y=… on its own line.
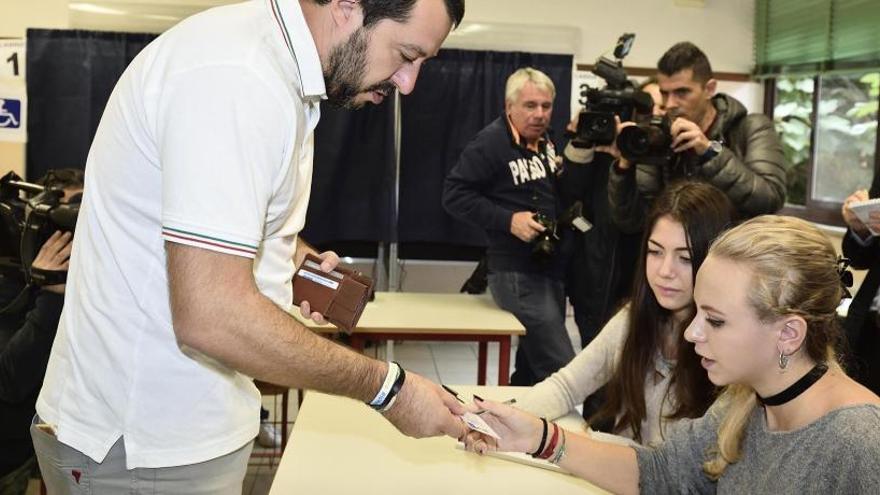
x=29, y=214
x=619, y=97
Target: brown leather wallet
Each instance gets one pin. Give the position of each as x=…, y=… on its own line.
x=340, y=295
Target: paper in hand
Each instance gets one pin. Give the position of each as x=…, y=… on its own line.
x=477, y=423
x=863, y=210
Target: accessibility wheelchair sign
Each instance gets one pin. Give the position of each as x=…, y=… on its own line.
x=13, y=112
x=10, y=113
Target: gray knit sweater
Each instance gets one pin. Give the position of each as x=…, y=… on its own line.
x=838, y=453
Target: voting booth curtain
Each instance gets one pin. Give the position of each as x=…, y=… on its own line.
x=70, y=74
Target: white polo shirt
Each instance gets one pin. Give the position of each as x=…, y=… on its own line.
x=207, y=141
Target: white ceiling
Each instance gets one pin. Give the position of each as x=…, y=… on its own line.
x=152, y=16
x=156, y=16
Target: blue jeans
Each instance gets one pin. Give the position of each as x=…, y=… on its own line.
x=538, y=302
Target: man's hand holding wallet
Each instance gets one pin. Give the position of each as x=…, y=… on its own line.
x=339, y=295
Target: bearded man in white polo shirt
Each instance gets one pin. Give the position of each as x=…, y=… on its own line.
x=196, y=188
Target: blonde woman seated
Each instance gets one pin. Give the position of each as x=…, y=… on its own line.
x=653, y=376
x=789, y=419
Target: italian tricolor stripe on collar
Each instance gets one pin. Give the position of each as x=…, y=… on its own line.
x=208, y=242
x=276, y=11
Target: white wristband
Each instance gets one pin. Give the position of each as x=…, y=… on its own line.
x=390, y=378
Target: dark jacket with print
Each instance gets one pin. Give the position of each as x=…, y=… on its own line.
x=750, y=169
x=494, y=178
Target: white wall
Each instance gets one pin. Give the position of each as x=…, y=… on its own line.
x=18, y=15
x=589, y=28
x=722, y=28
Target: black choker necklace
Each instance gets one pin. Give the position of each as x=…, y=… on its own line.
x=796, y=388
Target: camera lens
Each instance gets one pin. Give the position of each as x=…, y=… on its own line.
x=640, y=141
x=600, y=124
x=633, y=140
x=544, y=247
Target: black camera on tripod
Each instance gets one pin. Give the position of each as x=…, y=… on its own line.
x=29, y=214
x=619, y=97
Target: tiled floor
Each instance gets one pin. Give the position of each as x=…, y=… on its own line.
x=443, y=362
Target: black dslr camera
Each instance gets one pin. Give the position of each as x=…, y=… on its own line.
x=544, y=245
x=619, y=97
x=29, y=214
x=648, y=142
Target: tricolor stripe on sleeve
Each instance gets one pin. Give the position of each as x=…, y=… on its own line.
x=208, y=242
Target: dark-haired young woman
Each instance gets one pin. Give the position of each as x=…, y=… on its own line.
x=653, y=376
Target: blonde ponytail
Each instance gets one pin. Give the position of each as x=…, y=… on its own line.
x=794, y=271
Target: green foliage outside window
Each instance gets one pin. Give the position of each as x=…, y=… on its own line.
x=845, y=138
x=793, y=116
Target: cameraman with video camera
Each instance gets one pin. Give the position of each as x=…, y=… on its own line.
x=505, y=183
x=599, y=276
x=705, y=136
x=29, y=314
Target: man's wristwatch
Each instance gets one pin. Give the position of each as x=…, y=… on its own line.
x=712, y=151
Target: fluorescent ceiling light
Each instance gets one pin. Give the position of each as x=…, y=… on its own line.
x=95, y=9
x=159, y=17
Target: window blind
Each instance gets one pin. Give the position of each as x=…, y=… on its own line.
x=816, y=36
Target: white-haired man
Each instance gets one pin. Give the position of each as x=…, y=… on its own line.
x=503, y=181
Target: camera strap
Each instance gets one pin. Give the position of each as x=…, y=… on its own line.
x=41, y=278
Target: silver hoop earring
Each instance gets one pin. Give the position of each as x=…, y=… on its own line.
x=783, y=360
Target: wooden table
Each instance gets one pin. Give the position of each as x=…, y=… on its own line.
x=438, y=317
x=340, y=446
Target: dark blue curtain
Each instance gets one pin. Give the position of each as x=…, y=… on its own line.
x=70, y=74
x=458, y=94
x=353, y=177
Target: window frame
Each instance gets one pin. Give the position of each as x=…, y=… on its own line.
x=824, y=212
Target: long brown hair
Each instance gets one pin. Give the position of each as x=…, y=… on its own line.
x=704, y=212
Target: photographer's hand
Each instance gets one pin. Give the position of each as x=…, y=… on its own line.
x=612, y=149
x=54, y=255
x=687, y=135
x=524, y=226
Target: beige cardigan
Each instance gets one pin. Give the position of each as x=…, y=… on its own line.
x=591, y=369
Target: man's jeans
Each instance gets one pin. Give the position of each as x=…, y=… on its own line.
x=538, y=302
